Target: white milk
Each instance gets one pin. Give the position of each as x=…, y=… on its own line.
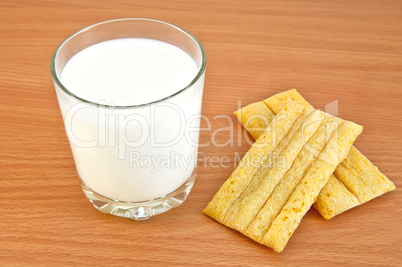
x=132, y=154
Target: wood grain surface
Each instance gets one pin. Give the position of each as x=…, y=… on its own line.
x=350, y=51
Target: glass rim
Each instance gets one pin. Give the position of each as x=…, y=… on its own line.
x=189, y=85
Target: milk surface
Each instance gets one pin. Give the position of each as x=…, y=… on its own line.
x=132, y=154
x=128, y=71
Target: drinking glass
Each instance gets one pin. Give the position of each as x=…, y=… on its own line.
x=133, y=161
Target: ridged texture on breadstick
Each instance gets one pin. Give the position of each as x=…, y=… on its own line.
x=361, y=177
x=356, y=180
x=261, y=223
x=253, y=198
x=258, y=199
x=306, y=192
x=250, y=163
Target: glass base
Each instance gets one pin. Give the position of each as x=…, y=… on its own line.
x=139, y=211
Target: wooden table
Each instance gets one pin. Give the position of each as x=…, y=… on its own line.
x=350, y=51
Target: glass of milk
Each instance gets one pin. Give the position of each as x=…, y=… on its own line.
x=130, y=93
